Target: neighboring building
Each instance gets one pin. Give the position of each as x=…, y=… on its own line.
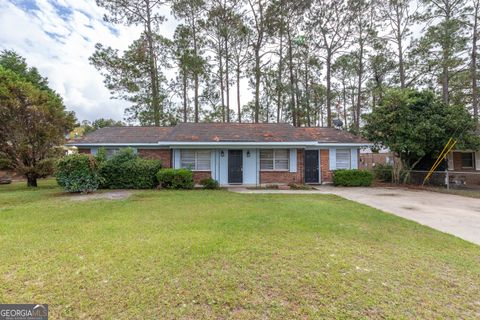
x=466, y=161
x=464, y=168
x=370, y=159
x=232, y=153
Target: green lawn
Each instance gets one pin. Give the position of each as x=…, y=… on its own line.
x=215, y=254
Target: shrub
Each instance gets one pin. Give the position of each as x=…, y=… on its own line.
x=126, y=170
x=77, y=173
x=209, y=183
x=352, y=178
x=175, y=178
x=383, y=172
x=297, y=186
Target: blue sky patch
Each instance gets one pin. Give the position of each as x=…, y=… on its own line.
x=27, y=5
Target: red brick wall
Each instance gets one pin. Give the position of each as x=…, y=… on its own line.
x=267, y=177
x=164, y=155
x=325, y=172
x=87, y=151
x=200, y=175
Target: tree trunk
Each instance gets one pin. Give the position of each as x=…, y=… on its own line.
x=31, y=180
x=297, y=100
x=445, y=67
x=401, y=65
x=292, y=81
x=329, y=88
x=220, y=71
x=227, y=84
x=257, y=82
x=185, y=98
x=344, y=96
x=359, y=88
x=157, y=113
x=474, y=62
x=279, y=79
x=239, y=107
x=307, y=93
x=195, y=75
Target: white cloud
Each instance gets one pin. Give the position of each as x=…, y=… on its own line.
x=57, y=37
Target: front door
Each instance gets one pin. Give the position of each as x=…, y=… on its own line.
x=311, y=166
x=235, y=166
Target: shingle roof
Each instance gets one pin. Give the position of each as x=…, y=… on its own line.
x=234, y=132
x=331, y=135
x=218, y=132
x=125, y=135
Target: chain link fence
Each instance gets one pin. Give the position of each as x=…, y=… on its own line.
x=456, y=180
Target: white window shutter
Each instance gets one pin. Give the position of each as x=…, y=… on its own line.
x=354, y=158
x=477, y=160
x=450, y=161
x=293, y=160
x=332, y=159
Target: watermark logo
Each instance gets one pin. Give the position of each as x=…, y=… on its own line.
x=23, y=311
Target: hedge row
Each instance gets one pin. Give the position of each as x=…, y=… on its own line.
x=352, y=178
x=125, y=170
x=78, y=173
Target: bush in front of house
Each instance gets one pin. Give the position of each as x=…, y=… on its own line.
x=78, y=173
x=175, y=178
x=126, y=170
x=383, y=172
x=352, y=178
x=209, y=183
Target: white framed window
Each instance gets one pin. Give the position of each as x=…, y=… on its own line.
x=468, y=160
x=197, y=160
x=110, y=152
x=274, y=159
x=344, y=159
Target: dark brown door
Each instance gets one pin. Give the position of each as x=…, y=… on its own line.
x=235, y=166
x=311, y=166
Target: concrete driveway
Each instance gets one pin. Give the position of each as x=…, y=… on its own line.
x=452, y=214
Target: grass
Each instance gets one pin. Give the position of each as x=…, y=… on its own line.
x=215, y=254
x=471, y=193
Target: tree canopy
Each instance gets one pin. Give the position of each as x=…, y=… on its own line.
x=33, y=120
x=301, y=62
x=414, y=124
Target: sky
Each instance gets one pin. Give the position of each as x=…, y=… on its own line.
x=58, y=37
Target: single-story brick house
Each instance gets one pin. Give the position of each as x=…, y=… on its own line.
x=464, y=168
x=233, y=153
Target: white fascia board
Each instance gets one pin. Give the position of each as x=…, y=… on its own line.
x=359, y=145
x=176, y=144
x=112, y=144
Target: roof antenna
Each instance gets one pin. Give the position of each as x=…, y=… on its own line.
x=338, y=123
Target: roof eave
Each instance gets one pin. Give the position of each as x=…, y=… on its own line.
x=223, y=144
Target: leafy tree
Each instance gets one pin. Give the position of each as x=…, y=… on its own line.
x=331, y=21
x=126, y=76
x=474, y=56
x=11, y=60
x=344, y=69
x=398, y=17
x=190, y=45
x=415, y=124
x=33, y=126
x=146, y=14
x=90, y=126
x=259, y=38
x=443, y=46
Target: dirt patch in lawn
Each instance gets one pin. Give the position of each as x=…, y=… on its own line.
x=109, y=195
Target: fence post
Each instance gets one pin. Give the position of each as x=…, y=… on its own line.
x=447, y=179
